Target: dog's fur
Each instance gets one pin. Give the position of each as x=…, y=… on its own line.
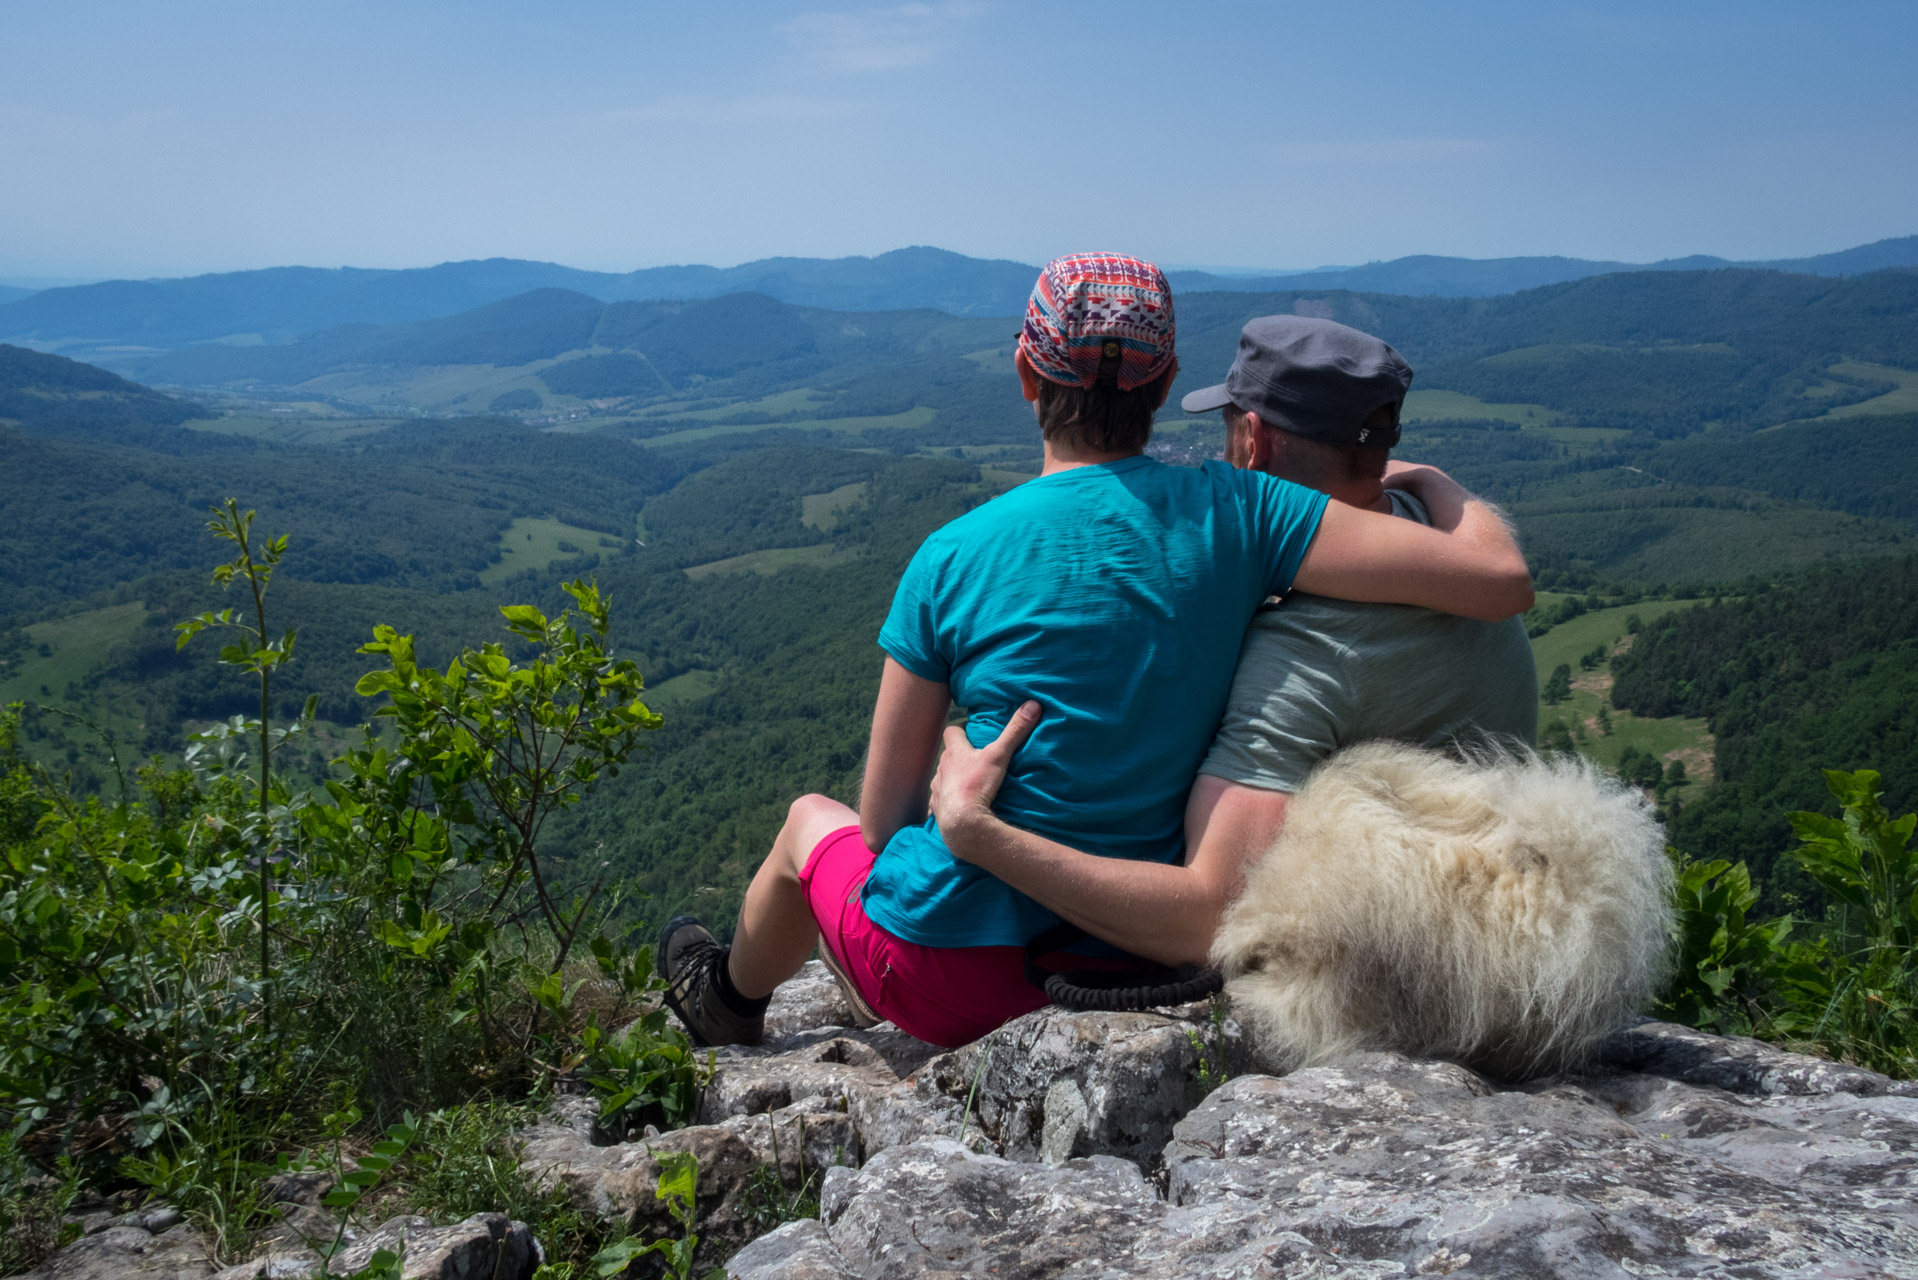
x=1506, y=913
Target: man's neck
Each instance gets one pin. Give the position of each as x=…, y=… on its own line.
x=1065, y=457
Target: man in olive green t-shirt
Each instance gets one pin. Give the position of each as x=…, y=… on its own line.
x=1317, y=674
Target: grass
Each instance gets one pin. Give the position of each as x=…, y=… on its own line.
x=1902, y=400
x=453, y=388
x=993, y=359
x=1668, y=738
x=534, y=543
x=771, y=561
x=910, y=419
x=824, y=510
x=798, y=400
x=304, y=428
x=77, y=644
x=687, y=686
x=1437, y=406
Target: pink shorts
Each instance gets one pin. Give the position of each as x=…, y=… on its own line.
x=946, y=996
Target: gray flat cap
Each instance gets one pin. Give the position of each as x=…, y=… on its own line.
x=1315, y=378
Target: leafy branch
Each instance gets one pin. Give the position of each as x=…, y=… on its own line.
x=253, y=651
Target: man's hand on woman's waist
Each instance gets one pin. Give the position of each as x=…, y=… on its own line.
x=968, y=780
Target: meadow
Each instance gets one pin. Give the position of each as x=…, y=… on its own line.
x=538, y=542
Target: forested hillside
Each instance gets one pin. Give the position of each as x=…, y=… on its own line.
x=1817, y=671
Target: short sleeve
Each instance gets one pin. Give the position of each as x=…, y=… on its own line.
x=1284, y=519
x=1286, y=707
x=910, y=635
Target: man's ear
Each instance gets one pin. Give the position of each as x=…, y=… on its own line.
x=1029, y=377
x=1261, y=444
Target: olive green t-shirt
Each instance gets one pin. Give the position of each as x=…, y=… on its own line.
x=1316, y=675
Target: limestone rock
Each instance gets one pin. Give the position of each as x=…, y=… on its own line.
x=935, y=1208
x=809, y=1001
x=1391, y=1160
x=1058, y=1085
x=1379, y=1165
x=487, y=1246
x=796, y=1251
x=1741, y=1065
x=124, y=1246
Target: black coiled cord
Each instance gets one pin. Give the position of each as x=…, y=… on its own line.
x=1088, y=990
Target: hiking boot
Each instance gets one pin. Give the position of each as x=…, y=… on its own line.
x=862, y=1013
x=693, y=963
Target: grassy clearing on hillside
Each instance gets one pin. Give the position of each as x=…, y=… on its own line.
x=687, y=686
x=824, y=510
x=450, y=388
x=1903, y=400
x=774, y=559
x=1437, y=406
x=1671, y=738
x=76, y=644
x=534, y=543
x=798, y=400
x=291, y=429
x=993, y=360
x=910, y=419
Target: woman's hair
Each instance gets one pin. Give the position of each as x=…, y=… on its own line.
x=1101, y=419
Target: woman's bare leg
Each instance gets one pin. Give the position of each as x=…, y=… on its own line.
x=776, y=931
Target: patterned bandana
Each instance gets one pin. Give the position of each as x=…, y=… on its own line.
x=1090, y=308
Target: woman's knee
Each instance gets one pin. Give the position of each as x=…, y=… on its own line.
x=810, y=819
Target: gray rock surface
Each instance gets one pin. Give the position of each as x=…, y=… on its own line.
x=126, y=1246
x=487, y=1246
x=1684, y=1155
x=1060, y=1085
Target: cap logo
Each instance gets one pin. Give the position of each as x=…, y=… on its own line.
x=1365, y=433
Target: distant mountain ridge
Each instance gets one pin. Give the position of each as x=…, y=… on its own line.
x=1425, y=275
x=281, y=304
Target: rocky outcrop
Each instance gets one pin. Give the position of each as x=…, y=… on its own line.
x=1088, y=1153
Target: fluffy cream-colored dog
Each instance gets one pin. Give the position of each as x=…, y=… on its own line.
x=1506, y=913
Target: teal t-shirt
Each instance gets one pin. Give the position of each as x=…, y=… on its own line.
x=1117, y=596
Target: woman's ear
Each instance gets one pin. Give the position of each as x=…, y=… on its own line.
x=1166, y=380
x=1028, y=376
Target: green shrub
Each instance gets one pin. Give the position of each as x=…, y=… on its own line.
x=1846, y=988
x=191, y=975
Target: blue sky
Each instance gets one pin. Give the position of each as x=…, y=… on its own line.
x=163, y=139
